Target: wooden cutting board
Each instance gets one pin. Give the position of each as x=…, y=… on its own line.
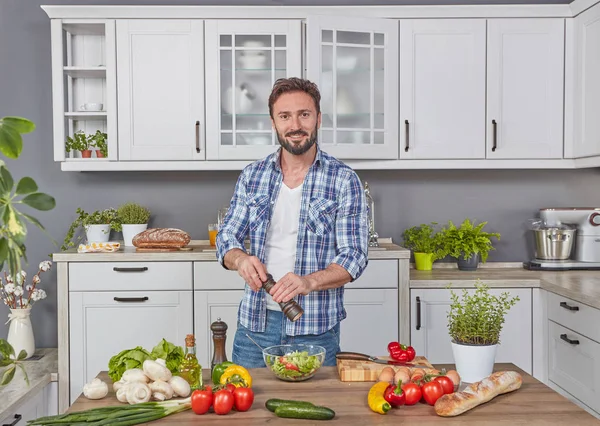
x=367, y=371
x=163, y=249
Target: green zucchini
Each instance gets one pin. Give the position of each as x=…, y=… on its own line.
x=273, y=403
x=304, y=412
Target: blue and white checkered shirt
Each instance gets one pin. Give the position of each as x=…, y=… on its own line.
x=333, y=229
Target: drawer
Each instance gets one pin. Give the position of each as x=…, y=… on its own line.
x=212, y=276
x=574, y=315
x=575, y=366
x=130, y=276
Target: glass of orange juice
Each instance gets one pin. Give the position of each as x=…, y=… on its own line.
x=212, y=233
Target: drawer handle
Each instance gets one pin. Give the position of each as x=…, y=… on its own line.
x=566, y=339
x=142, y=269
x=570, y=308
x=131, y=299
x=418, y=327
x=15, y=421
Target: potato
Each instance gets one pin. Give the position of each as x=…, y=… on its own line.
x=386, y=375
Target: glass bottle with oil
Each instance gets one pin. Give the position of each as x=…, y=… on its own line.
x=190, y=369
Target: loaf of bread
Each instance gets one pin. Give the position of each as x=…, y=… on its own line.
x=477, y=393
x=161, y=238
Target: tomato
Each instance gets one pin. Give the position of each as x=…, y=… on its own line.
x=412, y=393
x=202, y=400
x=416, y=378
x=432, y=391
x=290, y=366
x=243, y=399
x=411, y=353
x=223, y=401
x=447, y=384
x=230, y=387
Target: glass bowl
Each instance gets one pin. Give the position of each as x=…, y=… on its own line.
x=294, y=363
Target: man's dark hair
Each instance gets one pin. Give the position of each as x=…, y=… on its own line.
x=294, y=84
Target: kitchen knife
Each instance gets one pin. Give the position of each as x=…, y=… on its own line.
x=356, y=356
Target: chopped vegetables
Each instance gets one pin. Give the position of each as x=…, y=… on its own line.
x=296, y=364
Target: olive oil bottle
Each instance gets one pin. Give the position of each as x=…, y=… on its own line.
x=189, y=368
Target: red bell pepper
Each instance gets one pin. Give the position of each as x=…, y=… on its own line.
x=394, y=395
x=394, y=349
x=411, y=352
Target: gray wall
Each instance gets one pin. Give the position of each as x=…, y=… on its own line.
x=189, y=200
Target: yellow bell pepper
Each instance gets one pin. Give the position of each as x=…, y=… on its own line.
x=376, y=400
x=236, y=375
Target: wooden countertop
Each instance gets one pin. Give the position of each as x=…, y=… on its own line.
x=533, y=404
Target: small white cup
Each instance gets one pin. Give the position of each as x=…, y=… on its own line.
x=91, y=107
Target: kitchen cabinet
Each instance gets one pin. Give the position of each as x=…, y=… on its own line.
x=40, y=403
x=442, y=88
x=574, y=349
x=161, y=89
x=115, y=306
x=244, y=58
x=582, y=91
x=429, y=326
x=525, y=80
x=354, y=61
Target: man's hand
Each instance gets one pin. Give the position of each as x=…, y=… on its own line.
x=251, y=270
x=289, y=286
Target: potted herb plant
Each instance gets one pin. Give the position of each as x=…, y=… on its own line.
x=426, y=244
x=133, y=219
x=468, y=243
x=79, y=142
x=98, y=140
x=97, y=226
x=475, y=322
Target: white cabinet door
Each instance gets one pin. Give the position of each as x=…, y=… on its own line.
x=525, y=80
x=243, y=60
x=354, y=61
x=160, y=68
x=429, y=327
x=102, y=324
x=371, y=321
x=33, y=408
x=208, y=307
x=442, y=88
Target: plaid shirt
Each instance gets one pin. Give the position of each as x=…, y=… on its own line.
x=333, y=229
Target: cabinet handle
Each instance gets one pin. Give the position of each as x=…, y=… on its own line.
x=570, y=308
x=15, y=421
x=130, y=299
x=406, y=135
x=142, y=269
x=494, y=135
x=566, y=339
x=418, y=313
x=197, y=136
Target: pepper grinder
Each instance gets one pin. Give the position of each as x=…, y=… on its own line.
x=219, y=330
x=291, y=309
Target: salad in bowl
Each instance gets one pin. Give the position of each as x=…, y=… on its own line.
x=295, y=362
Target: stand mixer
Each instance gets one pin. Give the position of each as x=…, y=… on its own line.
x=584, y=252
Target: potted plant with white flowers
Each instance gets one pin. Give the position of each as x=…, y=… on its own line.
x=475, y=322
x=133, y=218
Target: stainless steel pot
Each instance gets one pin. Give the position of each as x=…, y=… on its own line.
x=554, y=243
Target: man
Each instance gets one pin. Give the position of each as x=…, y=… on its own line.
x=305, y=215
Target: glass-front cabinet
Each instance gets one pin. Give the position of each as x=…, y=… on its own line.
x=243, y=60
x=355, y=64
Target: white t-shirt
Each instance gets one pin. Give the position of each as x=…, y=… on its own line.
x=282, y=235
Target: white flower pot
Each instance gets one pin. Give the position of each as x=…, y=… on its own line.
x=97, y=233
x=130, y=231
x=20, y=332
x=474, y=362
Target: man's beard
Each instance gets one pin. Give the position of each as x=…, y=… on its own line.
x=300, y=148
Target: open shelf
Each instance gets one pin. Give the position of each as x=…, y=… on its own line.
x=85, y=29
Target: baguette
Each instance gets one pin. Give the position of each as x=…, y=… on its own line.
x=477, y=393
x=161, y=238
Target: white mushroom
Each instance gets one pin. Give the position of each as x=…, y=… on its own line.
x=135, y=375
x=122, y=393
x=180, y=386
x=96, y=389
x=138, y=392
x=157, y=396
x=164, y=388
x=157, y=370
x=118, y=385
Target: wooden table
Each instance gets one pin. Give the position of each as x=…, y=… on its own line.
x=533, y=404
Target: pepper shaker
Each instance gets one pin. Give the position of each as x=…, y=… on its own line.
x=219, y=330
x=291, y=309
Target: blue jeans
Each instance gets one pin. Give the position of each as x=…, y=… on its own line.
x=247, y=354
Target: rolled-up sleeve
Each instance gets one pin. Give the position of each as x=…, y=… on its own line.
x=352, y=228
x=235, y=225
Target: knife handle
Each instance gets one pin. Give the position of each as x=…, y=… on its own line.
x=357, y=356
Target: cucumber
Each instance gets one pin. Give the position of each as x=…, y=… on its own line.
x=304, y=412
x=273, y=403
